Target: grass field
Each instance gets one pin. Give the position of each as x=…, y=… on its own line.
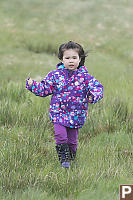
x=30, y=34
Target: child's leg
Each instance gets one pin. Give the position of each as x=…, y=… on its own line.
x=72, y=134
x=61, y=145
x=60, y=134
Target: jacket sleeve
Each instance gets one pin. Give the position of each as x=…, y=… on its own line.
x=43, y=89
x=94, y=90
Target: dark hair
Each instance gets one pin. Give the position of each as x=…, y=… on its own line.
x=72, y=45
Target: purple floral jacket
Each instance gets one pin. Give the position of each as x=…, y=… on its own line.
x=71, y=92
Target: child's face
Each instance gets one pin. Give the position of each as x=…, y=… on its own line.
x=71, y=59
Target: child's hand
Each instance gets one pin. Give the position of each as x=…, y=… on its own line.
x=30, y=81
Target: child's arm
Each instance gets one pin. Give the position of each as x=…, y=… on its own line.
x=42, y=89
x=95, y=90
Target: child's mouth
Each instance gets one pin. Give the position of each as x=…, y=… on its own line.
x=71, y=65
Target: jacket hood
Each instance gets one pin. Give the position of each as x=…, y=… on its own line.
x=60, y=66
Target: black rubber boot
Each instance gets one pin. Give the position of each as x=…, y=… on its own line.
x=73, y=158
x=72, y=155
x=63, y=154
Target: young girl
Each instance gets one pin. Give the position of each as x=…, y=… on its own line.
x=72, y=88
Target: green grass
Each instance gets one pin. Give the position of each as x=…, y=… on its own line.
x=31, y=32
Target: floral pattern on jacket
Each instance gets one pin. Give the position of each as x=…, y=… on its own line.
x=71, y=92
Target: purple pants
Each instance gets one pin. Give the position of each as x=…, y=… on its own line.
x=67, y=135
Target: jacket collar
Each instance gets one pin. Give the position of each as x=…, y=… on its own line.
x=60, y=66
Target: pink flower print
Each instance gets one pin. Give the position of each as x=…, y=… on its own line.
x=50, y=83
x=78, y=99
x=81, y=80
x=57, y=104
x=54, y=119
x=87, y=81
x=46, y=92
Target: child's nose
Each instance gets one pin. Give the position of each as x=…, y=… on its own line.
x=71, y=60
